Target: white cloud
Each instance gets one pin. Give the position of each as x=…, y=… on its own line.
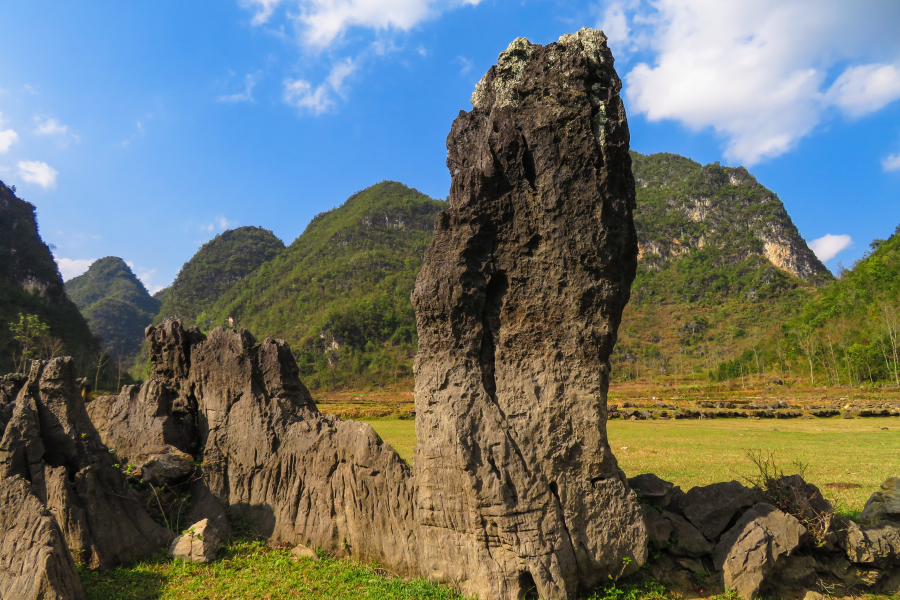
x=246, y=95
x=755, y=72
x=891, y=162
x=146, y=278
x=35, y=171
x=339, y=73
x=264, y=9
x=220, y=223
x=50, y=127
x=465, y=65
x=321, y=22
x=7, y=137
x=828, y=246
x=301, y=94
x=615, y=24
x=69, y=267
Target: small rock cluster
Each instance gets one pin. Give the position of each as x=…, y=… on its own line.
x=781, y=540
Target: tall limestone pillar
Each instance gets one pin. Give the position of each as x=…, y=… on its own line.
x=517, y=306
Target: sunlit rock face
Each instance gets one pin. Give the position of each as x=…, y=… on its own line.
x=518, y=305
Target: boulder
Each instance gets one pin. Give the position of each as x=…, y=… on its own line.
x=877, y=544
x=517, y=307
x=751, y=554
x=687, y=539
x=659, y=529
x=199, y=543
x=653, y=490
x=50, y=441
x=35, y=563
x=711, y=508
x=160, y=469
x=301, y=552
x=884, y=504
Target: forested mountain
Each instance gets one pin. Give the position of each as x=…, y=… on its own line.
x=214, y=269
x=850, y=331
x=116, y=305
x=712, y=232
x=340, y=292
x=30, y=283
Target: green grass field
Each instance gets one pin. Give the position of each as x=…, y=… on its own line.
x=861, y=452
x=690, y=453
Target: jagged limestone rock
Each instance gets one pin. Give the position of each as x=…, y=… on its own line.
x=517, y=306
x=199, y=543
x=50, y=442
x=35, y=563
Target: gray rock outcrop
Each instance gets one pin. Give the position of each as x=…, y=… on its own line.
x=517, y=307
x=199, y=543
x=35, y=563
x=50, y=442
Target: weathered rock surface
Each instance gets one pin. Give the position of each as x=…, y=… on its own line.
x=752, y=552
x=653, y=490
x=884, y=504
x=35, y=563
x=199, y=543
x=877, y=544
x=517, y=306
x=711, y=508
x=50, y=442
x=659, y=529
x=688, y=539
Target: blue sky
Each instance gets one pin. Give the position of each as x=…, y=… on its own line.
x=143, y=129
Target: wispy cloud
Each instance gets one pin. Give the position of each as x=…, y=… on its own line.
x=46, y=126
x=264, y=9
x=301, y=94
x=891, y=162
x=73, y=267
x=40, y=173
x=828, y=246
x=8, y=137
x=220, y=223
x=244, y=96
x=465, y=65
x=139, y=133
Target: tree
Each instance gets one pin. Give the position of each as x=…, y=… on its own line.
x=890, y=341
x=808, y=341
x=29, y=332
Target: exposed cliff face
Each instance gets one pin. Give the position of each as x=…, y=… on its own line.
x=518, y=305
x=30, y=283
x=720, y=219
x=116, y=305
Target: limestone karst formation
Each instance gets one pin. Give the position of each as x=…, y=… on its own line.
x=514, y=491
x=517, y=307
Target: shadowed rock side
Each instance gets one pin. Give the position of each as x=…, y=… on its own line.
x=518, y=305
x=51, y=454
x=267, y=453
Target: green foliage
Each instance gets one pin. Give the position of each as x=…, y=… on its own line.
x=248, y=569
x=215, y=268
x=30, y=332
x=851, y=328
x=30, y=284
x=703, y=232
x=339, y=294
x=116, y=305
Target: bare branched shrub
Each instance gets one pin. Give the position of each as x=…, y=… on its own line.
x=792, y=494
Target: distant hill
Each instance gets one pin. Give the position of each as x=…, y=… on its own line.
x=340, y=292
x=30, y=283
x=851, y=329
x=219, y=265
x=116, y=305
x=707, y=233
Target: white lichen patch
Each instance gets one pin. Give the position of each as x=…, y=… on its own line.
x=510, y=66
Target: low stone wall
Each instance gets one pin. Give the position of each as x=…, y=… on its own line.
x=781, y=541
x=779, y=409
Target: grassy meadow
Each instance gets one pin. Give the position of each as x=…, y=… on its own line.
x=860, y=452
x=836, y=452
